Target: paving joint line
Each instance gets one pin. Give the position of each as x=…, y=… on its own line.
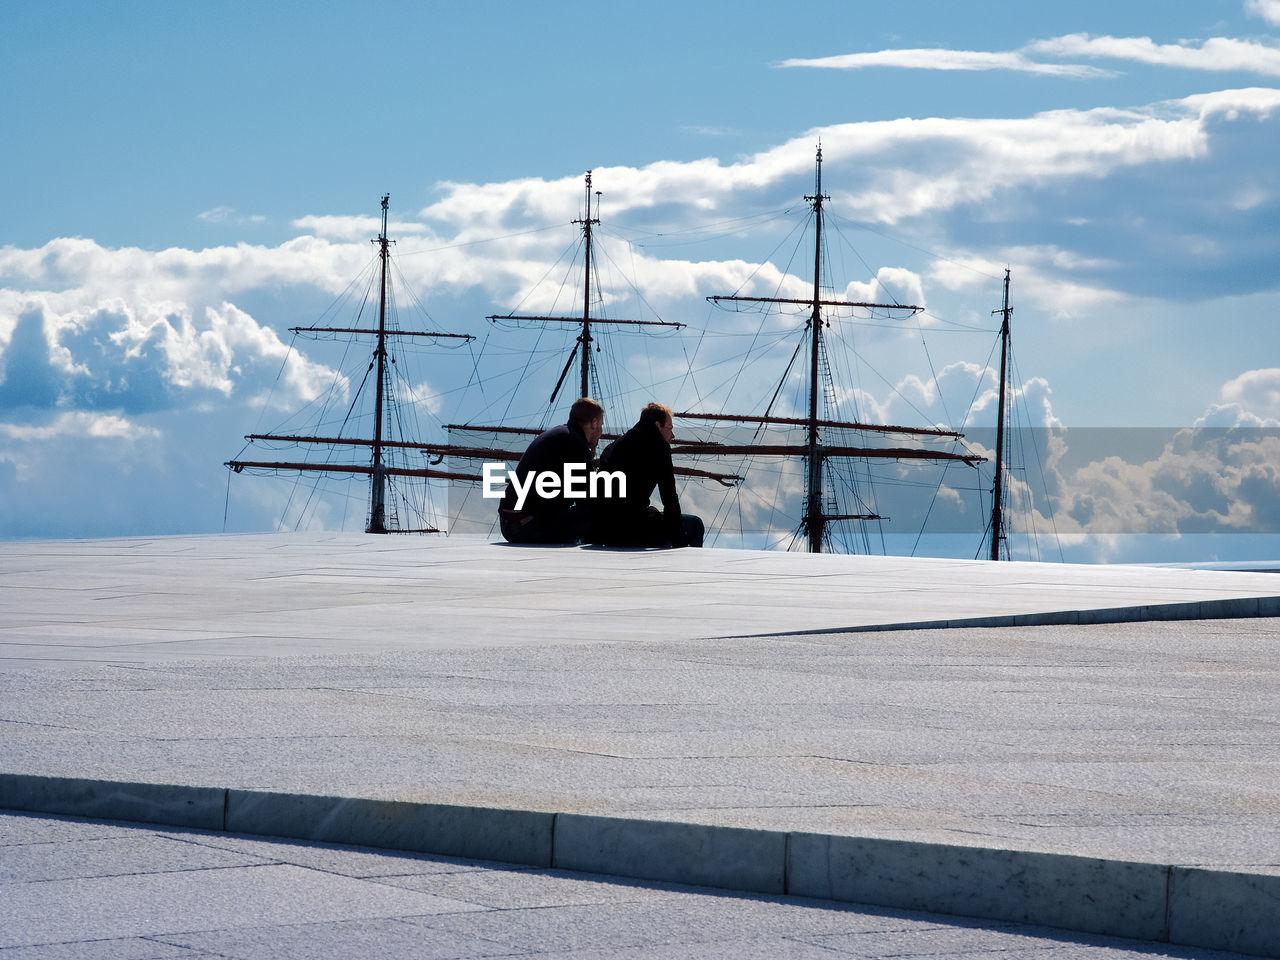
x=1188, y=906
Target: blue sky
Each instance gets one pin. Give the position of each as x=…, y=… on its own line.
x=183, y=182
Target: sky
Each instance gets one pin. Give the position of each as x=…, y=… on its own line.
x=182, y=183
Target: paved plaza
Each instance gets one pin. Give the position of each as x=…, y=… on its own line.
x=91, y=889
x=642, y=701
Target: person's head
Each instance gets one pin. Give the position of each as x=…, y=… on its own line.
x=659, y=414
x=589, y=415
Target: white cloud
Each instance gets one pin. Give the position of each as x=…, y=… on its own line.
x=230, y=215
x=940, y=59
x=172, y=325
x=1268, y=10
x=355, y=227
x=1042, y=279
x=1216, y=53
x=707, y=131
x=905, y=168
x=1251, y=399
x=129, y=327
x=79, y=436
x=1220, y=476
x=891, y=285
x=82, y=424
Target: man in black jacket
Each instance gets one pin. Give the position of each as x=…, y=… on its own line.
x=643, y=454
x=555, y=518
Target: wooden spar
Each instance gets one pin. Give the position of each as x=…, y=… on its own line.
x=822, y=303
x=360, y=468
x=440, y=449
x=373, y=331
x=450, y=450
x=781, y=421
x=823, y=452
x=484, y=428
x=631, y=323
x=724, y=479
x=842, y=424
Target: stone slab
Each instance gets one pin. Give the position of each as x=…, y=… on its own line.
x=225, y=596
x=1145, y=901
x=429, y=682
x=299, y=900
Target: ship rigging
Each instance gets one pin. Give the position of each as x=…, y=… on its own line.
x=821, y=508
x=384, y=466
x=813, y=433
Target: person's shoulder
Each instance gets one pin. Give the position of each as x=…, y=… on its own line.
x=557, y=436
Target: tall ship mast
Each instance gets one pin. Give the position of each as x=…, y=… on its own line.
x=379, y=468
x=816, y=454
x=582, y=346
x=998, y=489
x=588, y=370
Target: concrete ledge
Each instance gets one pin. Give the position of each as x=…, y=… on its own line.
x=1147, y=901
x=1228, y=609
x=1056, y=890
x=173, y=806
x=709, y=856
x=481, y=833
x=1225, y=911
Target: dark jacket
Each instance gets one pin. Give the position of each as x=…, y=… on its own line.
x=645, y=457
x=550, y=450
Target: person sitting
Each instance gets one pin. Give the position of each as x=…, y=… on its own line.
x=554, y=518
x=643, y=455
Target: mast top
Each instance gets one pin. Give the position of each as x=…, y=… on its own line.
x=818, y=197
x=588, y=220
x=382, y=237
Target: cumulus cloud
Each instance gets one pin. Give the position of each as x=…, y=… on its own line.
x=1087, y=486
x=1250, y=400
x=1268, y=10
x=355, y=227
x=127, y=329
x=1221, y=475
x=130, y=333
x=1202, y=480
x=891, y=285
x=905, y=168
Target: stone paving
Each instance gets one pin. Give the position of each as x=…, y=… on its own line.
x=95, y=890
x=710, y=687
